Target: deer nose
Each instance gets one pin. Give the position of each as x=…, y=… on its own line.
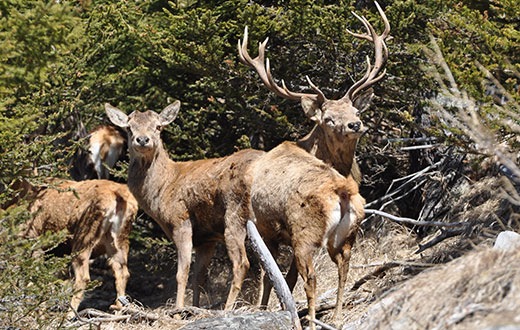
x=355, y=126
x=142, y=140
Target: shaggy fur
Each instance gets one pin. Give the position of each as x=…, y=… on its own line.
x=196, y=203
x=98, y=215
x=301, y=201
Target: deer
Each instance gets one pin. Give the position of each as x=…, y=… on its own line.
x=299, y=200
x=295, y=198
x=338, y=126
x=106, y=145
x=97, y=216
x=196, y=203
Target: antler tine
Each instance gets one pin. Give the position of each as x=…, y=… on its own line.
x=258, y=62
x=386, y=32
x=367, y=25
x=373, y=73
x=360, y=81
x=262, y=67
x=321, y=96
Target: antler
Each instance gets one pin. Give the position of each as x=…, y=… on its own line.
x=373, y=74
x=262, y=67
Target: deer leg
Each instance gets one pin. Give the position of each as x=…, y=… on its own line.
x=261, y=288
x=203, y=255
x=303, y=259
x=80, y=267
x=118, y=261
x=235, y=243
x=341, y=257
x=182, y=237
x=292, y=275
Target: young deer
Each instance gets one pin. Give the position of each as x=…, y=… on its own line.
x=106, y=145
x=338, y=126
x=98, y=215
x=196, y=203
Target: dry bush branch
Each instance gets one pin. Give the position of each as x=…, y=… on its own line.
x=94, y=316
x=445, y=233
x=275, y=275
x=467, y=119
x=403, y=187
x=382, y=267
x=416, y=222
x=323, y=325
x=410, y=180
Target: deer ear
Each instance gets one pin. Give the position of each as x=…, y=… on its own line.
x=363, y=100
x=116, y=116
x=311, y=108
x=170, y=112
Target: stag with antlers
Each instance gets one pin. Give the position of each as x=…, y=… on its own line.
x=296, y=198
x=333, y=140
x=338, y=125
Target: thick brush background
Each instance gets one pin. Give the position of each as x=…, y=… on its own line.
x=60, y=61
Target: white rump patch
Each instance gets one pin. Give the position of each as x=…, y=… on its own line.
x=95, y=156
x=339, y=227
x=114, y=220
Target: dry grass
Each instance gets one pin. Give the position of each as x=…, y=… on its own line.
x=477, y=290
x=457, y=284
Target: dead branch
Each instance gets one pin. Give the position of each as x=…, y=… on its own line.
x=323, y=325
x=374, y=274
x=382, y=267
x=139, y=314
x=410, y=179
x=193, y=311
x=410, y=263
x=92, y=315
x=416, y=222
x=418, y=147
x=445, y=233
x=406, y=140
x=273, y=272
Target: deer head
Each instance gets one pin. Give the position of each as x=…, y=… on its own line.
x=144, y=128
x=339, y=118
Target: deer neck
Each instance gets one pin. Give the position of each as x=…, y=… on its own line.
x=148, y=177
x=339, y=152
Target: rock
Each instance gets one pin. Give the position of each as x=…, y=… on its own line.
x=507, y=241
x=260, y=320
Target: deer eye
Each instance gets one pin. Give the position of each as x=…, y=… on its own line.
x=329, y=121
x=357, y=113
x=159, y=128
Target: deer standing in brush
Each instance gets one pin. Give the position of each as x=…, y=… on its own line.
x=299, y=200
x=98, y=216
x=333, y=140
x=200, y=202
x=196, y=203
x=338, y=125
